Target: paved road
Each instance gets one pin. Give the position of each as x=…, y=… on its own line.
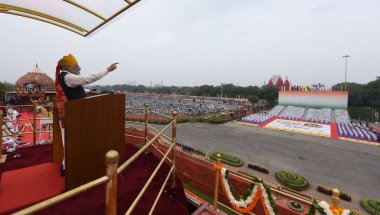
x=352, y=167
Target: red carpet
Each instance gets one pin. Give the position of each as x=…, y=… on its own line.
x=267, y=122
x=130, y=182
x=24, y=187
x=334, y=131
x=29, y=156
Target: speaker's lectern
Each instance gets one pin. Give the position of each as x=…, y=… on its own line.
x=93, y=126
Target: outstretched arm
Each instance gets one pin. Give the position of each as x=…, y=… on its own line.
x=72, y=80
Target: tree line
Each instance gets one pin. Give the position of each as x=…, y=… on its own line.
x=253, y=93
x=5, y=87
x=360, y=95
x=363, y=95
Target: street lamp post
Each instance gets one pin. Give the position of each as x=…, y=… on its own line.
x=345, y=72
x=221, y=92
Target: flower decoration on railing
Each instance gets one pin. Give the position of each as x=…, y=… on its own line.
x=30, y=91
x=256, y=191
x=11, y=131
x=323, y=208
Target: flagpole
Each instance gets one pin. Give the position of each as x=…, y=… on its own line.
x=345, y=72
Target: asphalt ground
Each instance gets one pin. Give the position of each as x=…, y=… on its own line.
x=352, y=167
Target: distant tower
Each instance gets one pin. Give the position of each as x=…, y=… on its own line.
x=286, y=84
x=277, y=82
x=270, y=84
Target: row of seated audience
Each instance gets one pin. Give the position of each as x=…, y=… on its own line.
x=10, y=143
x=319, y=115
x=184, y=105
x=10, y=119
x=341, y=116
x=356, y=131
x=292, y=113
x=259, y=118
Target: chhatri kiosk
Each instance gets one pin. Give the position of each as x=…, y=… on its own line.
x=34, y=85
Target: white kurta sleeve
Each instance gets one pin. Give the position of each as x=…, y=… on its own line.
x=72, y=80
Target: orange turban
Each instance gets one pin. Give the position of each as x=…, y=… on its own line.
x=68, y=60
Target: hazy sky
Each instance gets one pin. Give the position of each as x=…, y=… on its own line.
x=196, y=42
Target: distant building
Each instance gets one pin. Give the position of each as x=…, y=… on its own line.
x=277, y=82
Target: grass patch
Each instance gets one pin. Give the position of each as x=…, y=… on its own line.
x=228, y=159
x=208, y=199
x=218, y=119
x=371, y=206
x=292, y=180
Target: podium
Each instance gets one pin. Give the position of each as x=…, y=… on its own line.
x=93, y=126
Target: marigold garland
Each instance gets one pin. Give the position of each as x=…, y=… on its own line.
x=258, y=191
x=10, y=132
x=249, y=207
x=218, y=167
x=324, y=208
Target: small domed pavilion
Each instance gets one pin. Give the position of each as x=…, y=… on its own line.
x=35, y=85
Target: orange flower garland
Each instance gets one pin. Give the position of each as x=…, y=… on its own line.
x=252, y=204
x=218, y=167
x=337, y=211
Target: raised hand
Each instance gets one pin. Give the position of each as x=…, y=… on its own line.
x=112, y=67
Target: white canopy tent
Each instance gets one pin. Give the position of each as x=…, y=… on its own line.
x=79, y=16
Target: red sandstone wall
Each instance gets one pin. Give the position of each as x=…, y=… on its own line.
x=201, y=175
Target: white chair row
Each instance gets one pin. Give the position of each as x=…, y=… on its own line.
x=256, y=118
x=358, y=132
x=319, y=115
x=341, y=116
x=276, y=110
x=293, y=113
x=259, y=118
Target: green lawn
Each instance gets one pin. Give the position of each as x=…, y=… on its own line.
x=208, y=199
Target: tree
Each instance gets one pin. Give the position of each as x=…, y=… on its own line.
x=254, y=99
x=372, y=93
x=269, y=94
x=355, y=95
x=5, y=87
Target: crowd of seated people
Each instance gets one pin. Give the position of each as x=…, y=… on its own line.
x=183, y=105
x=353, y=130
x=292, y=113
x=319, y=115
x=10, y=121
x=259, y=118
x=10, y=143
x=341, y=116
x=356, y=131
